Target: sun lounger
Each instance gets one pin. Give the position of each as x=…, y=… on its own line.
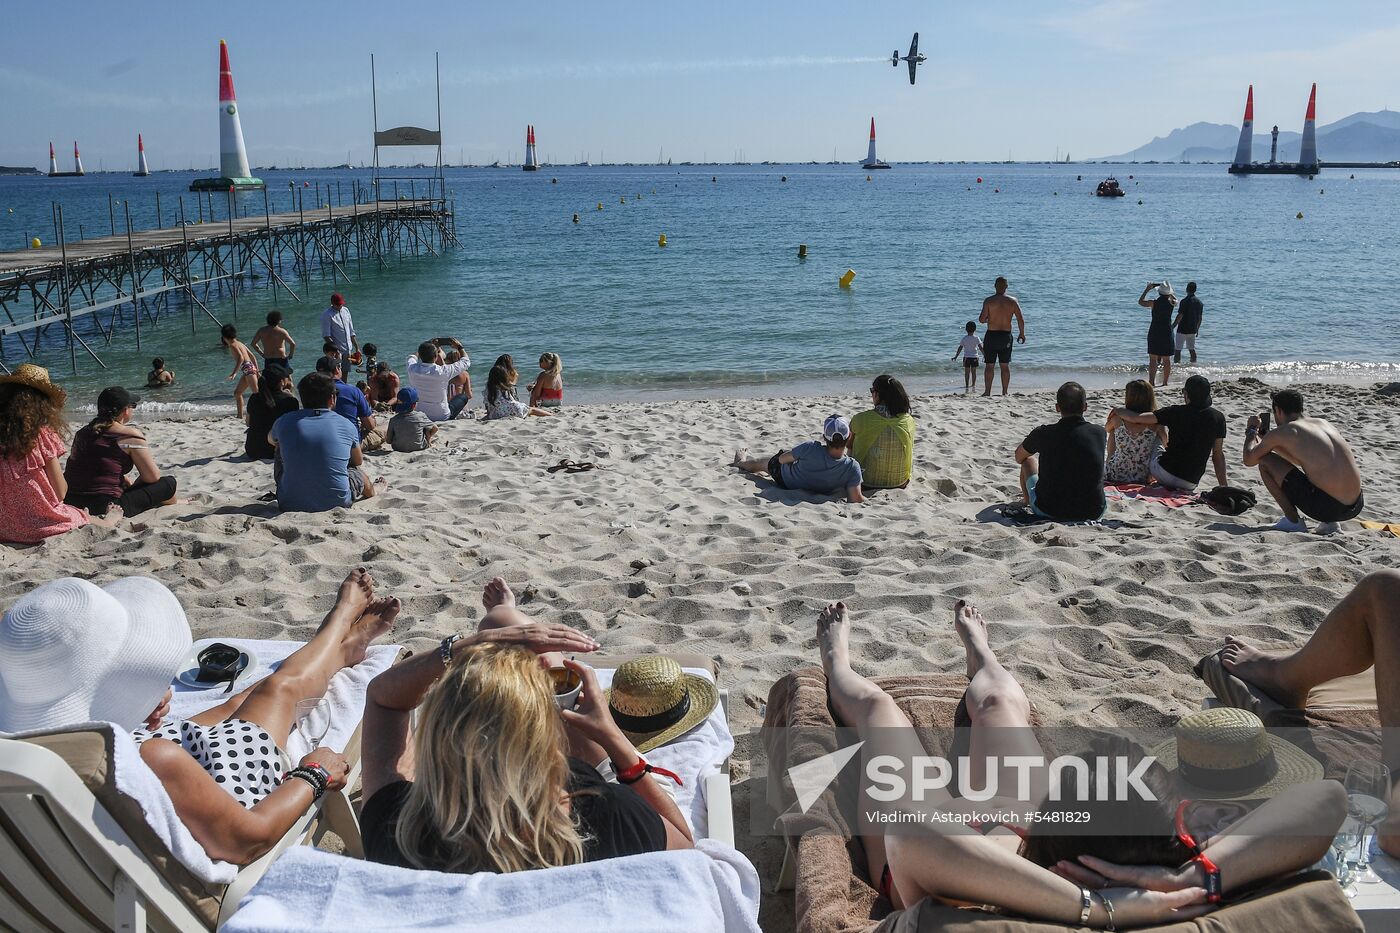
x=828, y=868
x=79, y=853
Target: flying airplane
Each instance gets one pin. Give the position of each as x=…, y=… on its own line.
x=913, y=58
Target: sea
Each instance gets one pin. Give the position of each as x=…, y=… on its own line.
x=1298, y=276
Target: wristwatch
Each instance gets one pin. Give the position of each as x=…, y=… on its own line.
x=445, y=649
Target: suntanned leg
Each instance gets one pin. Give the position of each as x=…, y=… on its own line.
x=1272, y=470
x=1005, y=377
x=988, y=377
x=1151, y=370
x=1166, y=369
x=1000, y=712
x=1030, y=467
x=752, y=466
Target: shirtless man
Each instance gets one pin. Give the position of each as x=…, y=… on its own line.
x=245, y=368
x=997, y=312
x=1306, y=464
x=273, y=342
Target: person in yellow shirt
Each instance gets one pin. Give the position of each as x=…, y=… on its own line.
x=882, y=439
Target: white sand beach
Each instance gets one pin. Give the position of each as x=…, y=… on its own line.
x=665, y=545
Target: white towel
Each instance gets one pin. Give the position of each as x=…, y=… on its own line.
x=713, y=889
x=135, y=780
x=694, y=756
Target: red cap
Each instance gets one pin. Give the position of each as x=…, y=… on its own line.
x=225, y=74
x=872, y=127
x=1249, y=106
x=1312, y=104
x=337, y=300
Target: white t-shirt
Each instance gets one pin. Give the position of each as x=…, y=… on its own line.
x=337, y=327
x=431, y=379
x=969, y=346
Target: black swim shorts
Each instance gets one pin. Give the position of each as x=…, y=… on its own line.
x=1315, y=503
x=996, y=346
x=775, y=469
x=969, y=362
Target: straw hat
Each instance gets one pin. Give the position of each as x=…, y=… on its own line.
x=653, y=701
x=1225, y=754
x=36, y=377
x=73, y=652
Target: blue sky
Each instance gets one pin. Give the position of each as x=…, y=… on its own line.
x=779, y=80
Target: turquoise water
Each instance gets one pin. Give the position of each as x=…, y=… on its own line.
x=728, y=308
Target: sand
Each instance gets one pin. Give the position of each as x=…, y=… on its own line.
x=666, y=545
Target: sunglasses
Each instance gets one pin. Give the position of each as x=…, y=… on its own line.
x=1198, y=855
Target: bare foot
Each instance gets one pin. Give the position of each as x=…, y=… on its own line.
x=110, y=520
x=354, y=595
x=497, y=593
x=972, y=629
x=377, y=619
x=834, y=637
x=741, y=455
x=1262, y=670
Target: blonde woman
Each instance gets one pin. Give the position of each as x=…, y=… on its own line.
x=548, y=389
x=496, y=778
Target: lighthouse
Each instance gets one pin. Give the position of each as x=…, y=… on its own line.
x=1307, y=159
x=141, y=169
x=530, y=164
x=871, y=160
x=233, y=157
x=1244, y=151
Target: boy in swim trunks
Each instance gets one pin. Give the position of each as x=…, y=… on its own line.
x=969, y=347
x=245, y=368
x=998, y=310
x=1306, y=464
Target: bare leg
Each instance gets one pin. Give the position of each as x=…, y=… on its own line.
x=752, y=466
x=1166, y=369
x=1151, y=370
x=988, y=377
x=1000, y=712
x=1272, y=470
x=1005, y=377
x=371, y=486
x=859, y=704
x=1029, y=468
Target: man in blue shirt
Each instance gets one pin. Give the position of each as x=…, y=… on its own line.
x=318, y=452
x=823, y=466
x=351, y=404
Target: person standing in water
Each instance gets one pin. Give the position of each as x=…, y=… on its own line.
x=998, y=310
x=1161, y=345
x=1188, y=322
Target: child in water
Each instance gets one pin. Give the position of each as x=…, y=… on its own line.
x=548, y=389
x=969, y=347
x=159, y=377
x=245, y=368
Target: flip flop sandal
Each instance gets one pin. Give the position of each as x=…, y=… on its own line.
x=582, y=467
x=561, y=465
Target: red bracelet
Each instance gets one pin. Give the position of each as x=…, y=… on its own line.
x=640, y=770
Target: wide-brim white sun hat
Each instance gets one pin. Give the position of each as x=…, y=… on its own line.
x=73, y=652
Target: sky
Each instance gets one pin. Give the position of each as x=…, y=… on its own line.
x=626, y=81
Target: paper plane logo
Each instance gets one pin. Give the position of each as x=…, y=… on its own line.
x=811, y=778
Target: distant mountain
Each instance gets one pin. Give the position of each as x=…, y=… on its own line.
x=1361, y=137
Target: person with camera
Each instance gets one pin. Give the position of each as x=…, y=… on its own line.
x=1306, y=465
x=1161, y=341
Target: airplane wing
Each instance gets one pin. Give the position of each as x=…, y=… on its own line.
x=913, y=58
x=914, y=47
x=913, y=66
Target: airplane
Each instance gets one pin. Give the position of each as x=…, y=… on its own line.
x=913, y=58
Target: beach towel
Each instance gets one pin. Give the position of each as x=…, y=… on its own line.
x=1381, y=526
x=709, y=889
x=1171, y=498
x=1023, y=515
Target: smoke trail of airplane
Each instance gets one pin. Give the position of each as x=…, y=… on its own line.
x=662, y=66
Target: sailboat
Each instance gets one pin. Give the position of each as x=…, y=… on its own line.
x=871, y=160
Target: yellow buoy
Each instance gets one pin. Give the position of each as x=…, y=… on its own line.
x=600, y=205
x=35, y=243
x=575, y=218
x=847, y=278
x=661, y=240
x=801, y=250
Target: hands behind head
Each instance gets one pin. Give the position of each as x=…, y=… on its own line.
x=157, y=715
x=541, y=637
x=334, y=763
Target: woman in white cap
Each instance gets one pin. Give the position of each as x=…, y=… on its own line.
x=494, y=775
x=1136, y=860
x=1161, y=338
x=72, y=652
x=823, y=467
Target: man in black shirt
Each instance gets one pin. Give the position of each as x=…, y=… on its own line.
x=1188, y=322
x=1195, y=435
x=1062, y=463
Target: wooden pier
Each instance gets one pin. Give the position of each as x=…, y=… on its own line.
x=78, y=296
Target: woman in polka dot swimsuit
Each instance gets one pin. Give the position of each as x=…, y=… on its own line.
x=237, y=746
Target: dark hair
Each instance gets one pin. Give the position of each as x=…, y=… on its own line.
x=1071, y=399
x=1198, y=391
x=1190, y=288
x=23, y=412
x=370, y=349
x=329, y=365
x=1137, y=832
x=1140, y=397
x=972, y=327
x=158, y=363
x=497, y=383
x=505, y=360
x=381, y=367
x=228, y=332
x=1289, y=401
x=316, y=390
x=330, y=347
x=427, y=351
x=274, y=318
x=270, y=383
x=1001, y=282
x=891, y=394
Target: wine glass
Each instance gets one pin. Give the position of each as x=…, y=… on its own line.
x=1368, y=788
x=313, y=720
x=1342, y=846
